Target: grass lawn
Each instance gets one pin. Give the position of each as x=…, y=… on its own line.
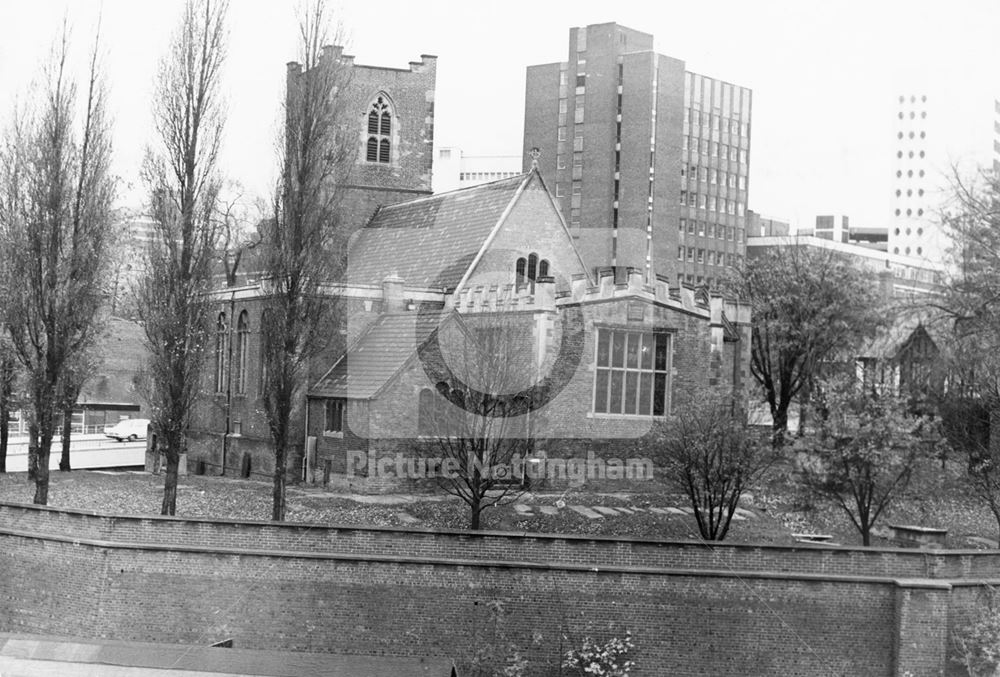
x=774, y=512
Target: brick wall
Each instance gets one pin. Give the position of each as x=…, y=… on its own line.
x=728, y=610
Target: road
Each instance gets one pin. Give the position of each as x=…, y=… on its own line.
x=86, y=451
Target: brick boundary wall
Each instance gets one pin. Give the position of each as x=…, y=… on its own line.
x=508, y=546
x=413, y=592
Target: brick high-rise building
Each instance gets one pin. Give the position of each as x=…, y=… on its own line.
x=649, y=161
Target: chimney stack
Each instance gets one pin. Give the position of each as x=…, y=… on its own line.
x=392, y=294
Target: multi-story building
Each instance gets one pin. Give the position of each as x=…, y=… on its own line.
x=898, y=275
x=649, y=162
x=832, y=227
x=837, y=227
x=913, y=231
x=454, y=169
x=765, y=226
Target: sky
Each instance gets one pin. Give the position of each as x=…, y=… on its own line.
x=825, y=77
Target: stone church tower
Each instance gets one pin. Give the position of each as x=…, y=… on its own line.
x=393, y=110
x=392, y=113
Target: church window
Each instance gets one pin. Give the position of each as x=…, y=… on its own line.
x=378, y=146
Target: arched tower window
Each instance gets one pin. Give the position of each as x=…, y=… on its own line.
x=220, y=353
x=242, y=343
x=520, y=272
x=378, y=146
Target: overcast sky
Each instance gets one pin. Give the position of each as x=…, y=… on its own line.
x=825, y=76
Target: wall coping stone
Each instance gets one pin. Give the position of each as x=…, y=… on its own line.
x=458, y=562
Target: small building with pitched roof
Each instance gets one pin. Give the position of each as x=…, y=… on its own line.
x=904, y=357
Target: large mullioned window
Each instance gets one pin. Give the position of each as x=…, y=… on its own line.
x=632, y=372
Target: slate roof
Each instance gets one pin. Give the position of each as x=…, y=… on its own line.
x=446, y=230
x=377, y=356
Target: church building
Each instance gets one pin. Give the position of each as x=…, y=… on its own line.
x=596, y=358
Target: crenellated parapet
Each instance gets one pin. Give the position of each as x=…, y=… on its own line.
x=537, y=297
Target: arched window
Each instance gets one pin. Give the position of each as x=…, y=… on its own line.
x=425, y=413
x=265, y=322
x=220, y=353
x=436, y=415
x=242, y=339
x=528, y=270
x=378, y=146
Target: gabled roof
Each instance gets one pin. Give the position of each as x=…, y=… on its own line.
x=431, y=241
x=377, y=356
x=890, y=340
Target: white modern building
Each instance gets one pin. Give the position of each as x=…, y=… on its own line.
x=453, y=169
x=908, y=275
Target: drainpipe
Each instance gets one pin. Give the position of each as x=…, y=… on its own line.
x=229, y=380
x=305, y=437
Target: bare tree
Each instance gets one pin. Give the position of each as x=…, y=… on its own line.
x=302, y=244
x=479, y=418
x=56, y=219
x=180, y=172
x=75, y=375
x=8, y=382
x=707, y=451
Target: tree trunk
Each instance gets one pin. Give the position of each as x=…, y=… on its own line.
x=866, y=535
x=6, y=392
x=32, y=450
x=278, y=494
x=42, y=470
x=779, y=425
x=169, y=506
x=475, y=510
x=66, y=431
x=4, y=434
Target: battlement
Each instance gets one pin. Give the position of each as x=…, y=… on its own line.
x=539, y=296
x=335, y=53
x=542, y=296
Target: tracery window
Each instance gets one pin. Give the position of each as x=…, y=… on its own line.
x=378, y=147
